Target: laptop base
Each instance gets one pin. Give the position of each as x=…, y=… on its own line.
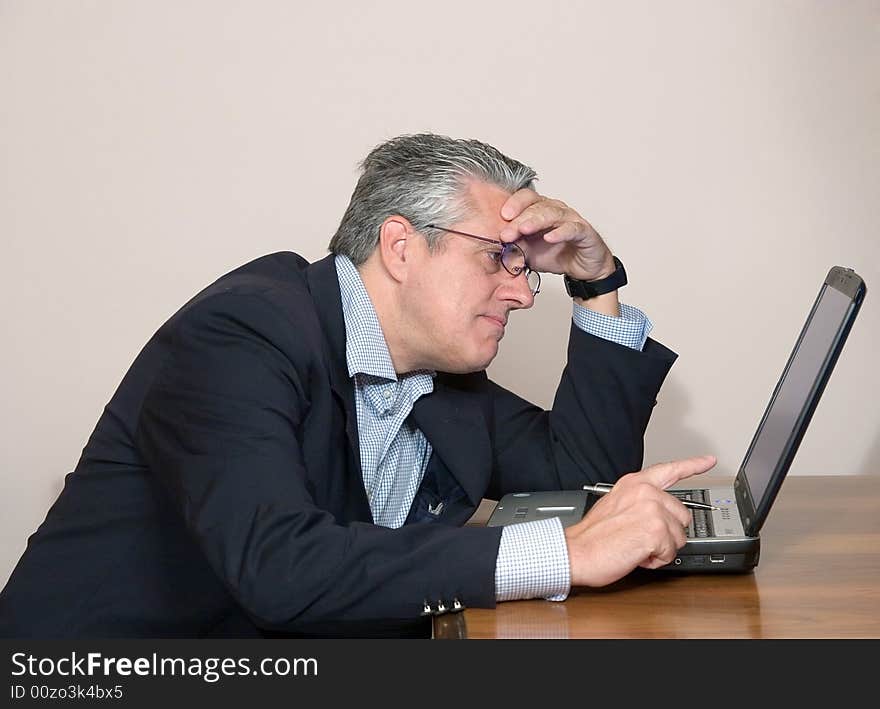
x=730, y=556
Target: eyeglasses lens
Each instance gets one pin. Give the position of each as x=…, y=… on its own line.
x=534, y=279
x=514, y=261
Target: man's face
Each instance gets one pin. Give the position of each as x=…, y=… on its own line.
x=459, y=297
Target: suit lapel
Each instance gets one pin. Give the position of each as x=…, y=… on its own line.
x=451, y=420
x=324, y=287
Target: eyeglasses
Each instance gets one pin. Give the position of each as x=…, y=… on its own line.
x=511, y=256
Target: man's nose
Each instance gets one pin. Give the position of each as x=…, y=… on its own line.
x=515, y=289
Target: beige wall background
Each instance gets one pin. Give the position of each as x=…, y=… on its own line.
x=727, y=151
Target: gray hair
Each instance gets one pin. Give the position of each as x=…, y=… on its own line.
x=422, y=178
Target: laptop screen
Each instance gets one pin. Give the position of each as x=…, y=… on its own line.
x=793, y=393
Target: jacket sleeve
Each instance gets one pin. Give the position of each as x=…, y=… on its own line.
x=595, y=430
x=220, y=429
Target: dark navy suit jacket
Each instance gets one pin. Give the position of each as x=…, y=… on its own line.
x=221, y=493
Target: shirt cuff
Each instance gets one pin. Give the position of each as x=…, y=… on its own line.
x=631, y=329
x=533, y=562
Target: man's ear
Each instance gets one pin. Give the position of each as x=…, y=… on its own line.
x=396, y=237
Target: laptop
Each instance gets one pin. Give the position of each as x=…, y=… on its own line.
x=726, y=539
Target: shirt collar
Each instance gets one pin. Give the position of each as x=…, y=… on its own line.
x=366, y=351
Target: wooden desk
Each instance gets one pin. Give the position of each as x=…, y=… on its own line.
x=818, y=577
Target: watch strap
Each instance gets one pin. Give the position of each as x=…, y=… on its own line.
x=591, y=289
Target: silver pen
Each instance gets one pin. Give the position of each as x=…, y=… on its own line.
x=602, y=488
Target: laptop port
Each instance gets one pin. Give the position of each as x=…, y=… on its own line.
x=716, y=558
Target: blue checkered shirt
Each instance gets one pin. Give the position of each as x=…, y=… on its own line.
x=533, y=557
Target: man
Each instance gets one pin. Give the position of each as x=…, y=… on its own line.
x=295, y=450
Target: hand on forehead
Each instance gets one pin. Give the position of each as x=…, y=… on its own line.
x=529, y=213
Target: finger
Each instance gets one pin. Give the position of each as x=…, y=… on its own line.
x=678, y=529
x=655, y=562
x=662, y=505
x=667, y=548
x=681, y=514
x=675, y=539
x=665, y=508
x=517, y=202
x=664, y=552
x=567, y=231
x=537, y=217
x=663, y=475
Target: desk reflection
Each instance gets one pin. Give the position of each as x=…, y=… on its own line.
x=643, y=605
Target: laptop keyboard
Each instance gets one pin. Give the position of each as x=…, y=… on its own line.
x=701, y=522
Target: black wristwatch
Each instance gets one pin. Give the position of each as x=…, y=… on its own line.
x=590, y=289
